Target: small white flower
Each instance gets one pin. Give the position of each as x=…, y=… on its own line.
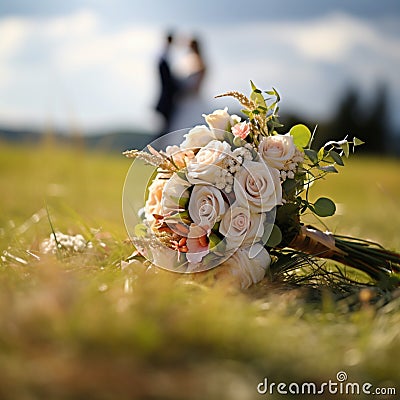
x=69, y=243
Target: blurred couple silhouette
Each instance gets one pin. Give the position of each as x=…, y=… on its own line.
x=181, y=79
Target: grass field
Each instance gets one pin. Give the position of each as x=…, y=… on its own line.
x=82, y=327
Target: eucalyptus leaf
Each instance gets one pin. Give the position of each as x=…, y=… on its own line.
x=275, y=237
x=140, y=230
x=182, y=201
x=289, y=186
x=312, y=155
x=345, y=148
x=336, y=157
x=321, y=153
x=182, y=174
x=324, y=207
x=357, y=142
x=328, y=168
x=301, y=135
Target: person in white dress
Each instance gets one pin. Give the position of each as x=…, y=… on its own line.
x=189, y=103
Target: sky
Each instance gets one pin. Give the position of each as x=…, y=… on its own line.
x=91, y=64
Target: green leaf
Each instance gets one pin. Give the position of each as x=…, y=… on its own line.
x=328, y=168
x=336, y=157
x=345, y=148
x=301, y=135
x=238, y=142
x=312, y=155
x=324, y=207
x=140, y=230
x=275, y=237
x=182, y=174
x=181, y=201
x=321, y=153
x=180, y=215
x=216, y=244
x=256, y=96
x=357, y=142
x=289, y=187
x=228, y=137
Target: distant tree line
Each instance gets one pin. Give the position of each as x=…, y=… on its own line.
x=368, y=121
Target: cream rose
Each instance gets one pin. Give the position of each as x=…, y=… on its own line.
x=175, y=192
x=257, y=186
x=221, y=120
x=256, y=229
x=241, y=227
x=206, y=205
x=197, y=137
x=153, y=202
x=277, y=150
x=207, y=166
x=247, y=266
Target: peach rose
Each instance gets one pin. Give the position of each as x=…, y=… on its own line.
x=197, y=244
x=180, y=156
x=153, y=202
x=241, y=130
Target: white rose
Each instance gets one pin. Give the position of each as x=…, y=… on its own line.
x=257, y=186
x=277, y=150
x=220, y=121
x=240, y=227
x=199, y=136
x=256, y=229
x=207, y=166
x=174, y=192
x=206, y=205
x=247, y=266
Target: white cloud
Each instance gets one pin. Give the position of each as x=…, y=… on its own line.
x=109, y=74
x=309, y=61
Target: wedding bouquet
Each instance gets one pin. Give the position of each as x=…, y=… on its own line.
x=232, y=194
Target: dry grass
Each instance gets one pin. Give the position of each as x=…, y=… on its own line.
x=82, y=327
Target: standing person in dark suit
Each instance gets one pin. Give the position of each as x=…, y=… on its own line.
x=166, y=103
